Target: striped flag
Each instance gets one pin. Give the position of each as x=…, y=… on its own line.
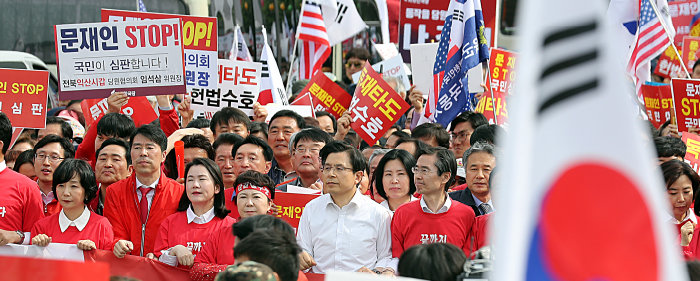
x=650, y=41
x=314, y=45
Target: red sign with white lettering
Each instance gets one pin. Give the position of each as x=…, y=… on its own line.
x=421, y=21
x=138, y=108
x=291, y=205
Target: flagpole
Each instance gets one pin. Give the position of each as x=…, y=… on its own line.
x=493, y=101
x=653, y=6
x=288, y=88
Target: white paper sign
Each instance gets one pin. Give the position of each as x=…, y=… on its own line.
x=239, y=86
x=139, y=57
x=422, y=64
x=386, y=51
x=393, y=67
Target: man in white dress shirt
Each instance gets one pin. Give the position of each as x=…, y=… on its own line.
x=344, y=230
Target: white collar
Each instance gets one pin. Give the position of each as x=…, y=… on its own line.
x=3, y=165
x=355, y=199
x=79, y=223
x=153, y=185
x=691, y=216
x=204, y=218
x=479, y=202
x=445, y=207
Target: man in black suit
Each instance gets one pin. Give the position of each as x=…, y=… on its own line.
x=479, y=161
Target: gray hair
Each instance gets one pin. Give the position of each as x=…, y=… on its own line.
x=480, y=146
x=399, y=85
x=377, y=152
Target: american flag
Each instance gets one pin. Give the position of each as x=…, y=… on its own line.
x=439, y=67
x=314, y=45
x=142, y=7
x=651, y=40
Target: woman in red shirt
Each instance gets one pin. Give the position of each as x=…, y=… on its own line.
x=682, y=185
x=74, y=186
x=201, y=211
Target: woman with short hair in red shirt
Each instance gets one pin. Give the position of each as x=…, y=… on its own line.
x=74, y=186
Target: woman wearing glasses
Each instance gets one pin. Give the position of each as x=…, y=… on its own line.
x=393, y=179
x=74, y=185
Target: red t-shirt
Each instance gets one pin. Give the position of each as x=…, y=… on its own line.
x=230, y=204
x=20, y=202
x=411, y=226
x=218, y=248
x=97, y=230
x=176, y=231
x=479, y=234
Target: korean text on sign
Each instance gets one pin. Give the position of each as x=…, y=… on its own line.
x=658, y=102
x=375, y=107
x=682, y=13
x=502, y=66
x=138, y=108
x=692, y=154
x=23, y=97
x=291, y=205
x=488, y=107
x=689, y=52
x=686, y=99
x=200, y=42
x=327, y=95
x=420, y=21
x=669, y=64
x=139, y=57
x=239, y=86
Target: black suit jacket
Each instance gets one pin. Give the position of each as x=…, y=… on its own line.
x=465, y=197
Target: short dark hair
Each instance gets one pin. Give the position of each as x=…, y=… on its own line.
x=258, y=127
x=256, y=178
x=226, y=114
x=311, y=122
x=28, y=140
x=200, y=123
x=115, y=141
x=291, y=114
x=408, y=163
x=668, y=146
x=324, y=113
x=66, y=130
x=68, y=150
x=26, y=156
x=276, y=249
x=357, y=161
x=199, y=141
x=227, y=138
x=486, y=133
x=71, y=167
x=435, y=262
x=313, y=134
x=247, y=225
x=432, y=130
x=360, y=53
x=219, y=198
x=421, y=147
x=116, y=125
x=400, y=134
x=475, y=119
x=153, y=133
x=250, y=139
x=446, y=163
x=5, y=132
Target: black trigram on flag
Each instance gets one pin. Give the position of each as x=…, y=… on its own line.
x=564, y=61
x=341, y=12
x=458, y=15
x=265, y=72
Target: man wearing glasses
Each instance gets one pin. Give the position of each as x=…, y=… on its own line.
x=344, y=230
x=49, y=153
x=306, y=145
x=435, y=218
x=462, y=128
x=282, y=126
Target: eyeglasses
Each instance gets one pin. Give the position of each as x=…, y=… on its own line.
x=461, y=135
x=353, y=64
x=422, y=171
x=52, y=158
x=337, y=168
x=303, y=150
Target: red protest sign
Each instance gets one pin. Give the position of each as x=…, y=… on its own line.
x=486, y=107
x=692, y=152
x=682, y=13
x=689, y=53
x=421, y=21
x=502, y=66
x=658, y=102
x=686, y=100
x=23, y=97
x=138, y=108
x=375, y=107
x=291, y=205
x=669, y=64
x=326, y=95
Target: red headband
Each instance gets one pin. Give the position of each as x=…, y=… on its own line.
x=246, y=185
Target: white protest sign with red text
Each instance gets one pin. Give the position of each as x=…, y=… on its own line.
x=325, y=95
x=138, y=108
x=23, y=97
x=375, y=107
x=658, y=102
x=200, y=41
x=239, y=86
x=686, y=100
x=140, y=58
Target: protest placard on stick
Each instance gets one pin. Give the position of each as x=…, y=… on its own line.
x=23, y=97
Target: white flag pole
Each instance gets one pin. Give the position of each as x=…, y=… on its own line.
x=294, y=52
x=663, y=24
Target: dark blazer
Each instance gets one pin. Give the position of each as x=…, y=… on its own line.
x=465, y=197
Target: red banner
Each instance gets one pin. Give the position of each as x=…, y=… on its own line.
x=291, y=205
x=137, y=267
x=502, y=66
x=23, y=97
x=658, y=102
x=682, y=13
x=421, y=21
x=686, y=100
x=486, y=107
x=21, y=268
x=375, y=107
x=326, y=95
x=689, y=52
x=669, y=64
x=692, y=152
x=138, y=108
